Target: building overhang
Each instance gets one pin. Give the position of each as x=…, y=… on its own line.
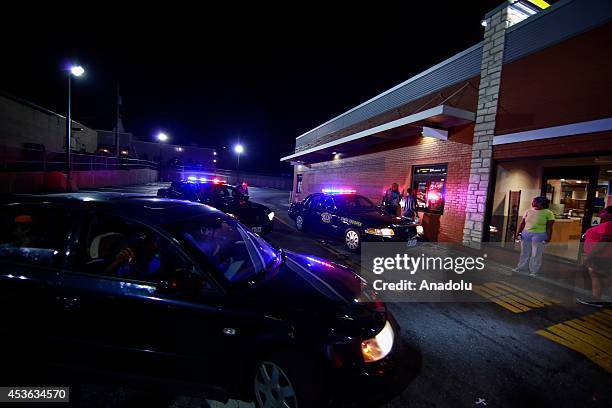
x=572, y=129
x=441, y=117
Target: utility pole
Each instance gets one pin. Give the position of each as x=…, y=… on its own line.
x=117, y=113
x=68, y=135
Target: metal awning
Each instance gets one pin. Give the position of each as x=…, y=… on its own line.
x=440, y=117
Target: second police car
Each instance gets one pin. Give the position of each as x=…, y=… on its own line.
x=217, y=193
x=352, y=218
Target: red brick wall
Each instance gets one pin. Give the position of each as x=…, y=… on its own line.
x=371, y=174
x=559, y=146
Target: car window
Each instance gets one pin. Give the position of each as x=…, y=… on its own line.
x=313, y=202
x=234, y=251
x=223, y=191
x=357, y=203
x=114, y=246
x=328, y=203
x=34, y=234
x=234, y=192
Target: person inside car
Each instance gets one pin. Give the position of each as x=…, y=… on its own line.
x=23, y=233
x=139, y=260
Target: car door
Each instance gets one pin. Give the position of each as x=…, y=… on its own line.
x=312, y=212
x=33, y=246
x=223, y=198
x=328, y=215
x=175, y=190
x=139, y=319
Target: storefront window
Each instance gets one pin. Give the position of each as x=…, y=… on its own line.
x=578, y=190
x=429, y=184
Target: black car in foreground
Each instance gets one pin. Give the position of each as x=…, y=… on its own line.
x=223, y=197
x=352, y=218
x=175, y=289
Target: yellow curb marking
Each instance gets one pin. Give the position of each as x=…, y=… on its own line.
x=589, y=335
x=511, y=297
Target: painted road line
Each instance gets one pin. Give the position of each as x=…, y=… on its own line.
x=511, y=297
x=283, y=222
x=344, y=259
x=589, y=335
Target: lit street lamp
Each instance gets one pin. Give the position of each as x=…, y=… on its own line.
x=161, y=137
x=77, y=71
x=238, y=149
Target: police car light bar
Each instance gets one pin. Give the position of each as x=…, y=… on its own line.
x=216, y=180
x=338, y=191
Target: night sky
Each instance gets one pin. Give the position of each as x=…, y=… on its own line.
x=212, y=77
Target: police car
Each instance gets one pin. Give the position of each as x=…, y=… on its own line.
x=351, y=217
x=217, y=193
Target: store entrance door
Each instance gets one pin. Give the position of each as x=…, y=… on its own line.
x=571, y=191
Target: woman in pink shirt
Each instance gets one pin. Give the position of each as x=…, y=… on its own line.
x=598, y=255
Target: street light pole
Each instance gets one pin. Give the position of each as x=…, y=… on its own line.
x=68, y=134
x=161, y=137
x=238, y=149
x=238, y=170
x=77, y=71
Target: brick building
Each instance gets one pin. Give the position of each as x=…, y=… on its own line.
x=524, y=113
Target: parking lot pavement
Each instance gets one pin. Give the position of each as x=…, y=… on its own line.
x=509, y=350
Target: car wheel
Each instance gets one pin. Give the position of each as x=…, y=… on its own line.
x=299, y=223
x=288, y=380
x=352, y=239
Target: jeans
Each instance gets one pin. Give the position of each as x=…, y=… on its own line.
x=532, y=248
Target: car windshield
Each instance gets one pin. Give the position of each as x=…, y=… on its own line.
x=354, y=203
x=231, y=248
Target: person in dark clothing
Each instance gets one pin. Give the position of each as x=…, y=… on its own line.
x=391, y=200
x=410, y=204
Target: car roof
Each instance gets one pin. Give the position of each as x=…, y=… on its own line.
x=153, y=210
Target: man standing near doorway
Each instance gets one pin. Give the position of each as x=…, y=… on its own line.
x=391, y=200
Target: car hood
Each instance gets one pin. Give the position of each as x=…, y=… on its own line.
x=375, y=219
x=258, y=206
x=317, y=289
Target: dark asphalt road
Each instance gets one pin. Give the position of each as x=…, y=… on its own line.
x=480, y=354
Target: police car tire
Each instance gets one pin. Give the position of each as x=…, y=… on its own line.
x=351, y=234
x=299, y=225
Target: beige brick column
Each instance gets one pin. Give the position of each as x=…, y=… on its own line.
x=488, y=94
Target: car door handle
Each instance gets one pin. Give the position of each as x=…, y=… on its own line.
x=69, y=303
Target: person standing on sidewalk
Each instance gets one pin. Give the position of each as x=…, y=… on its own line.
x=598, y=255
x=391, y=200
x=534, y=231
x=410, y=204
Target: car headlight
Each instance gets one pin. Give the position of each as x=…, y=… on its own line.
x=419, y=229
x=380, y=346
x=381, y=232
x=271, y=215
x=232, y=215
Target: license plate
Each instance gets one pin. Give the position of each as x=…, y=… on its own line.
x=256, y=229
x=411, y=243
